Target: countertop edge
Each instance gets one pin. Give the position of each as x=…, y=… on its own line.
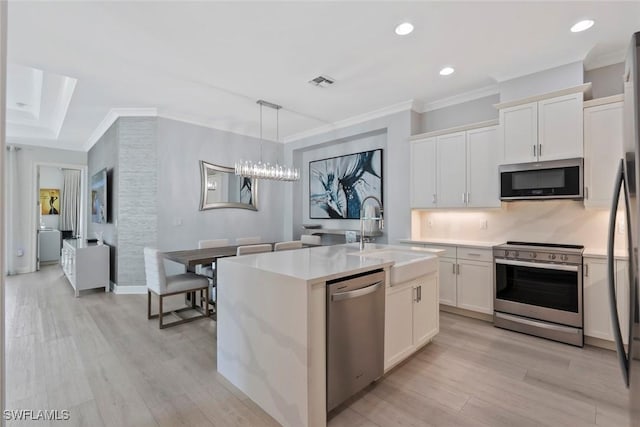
x=450, y=242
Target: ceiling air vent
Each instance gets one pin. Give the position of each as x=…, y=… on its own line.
x=322, y=81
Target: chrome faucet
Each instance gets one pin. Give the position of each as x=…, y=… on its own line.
x=362, y=218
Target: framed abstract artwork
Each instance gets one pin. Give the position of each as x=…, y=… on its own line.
x=338, y=185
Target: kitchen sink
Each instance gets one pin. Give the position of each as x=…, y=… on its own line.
x=407, y=264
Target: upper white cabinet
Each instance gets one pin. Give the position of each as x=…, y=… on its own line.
x=452, y=170
x=483, y=182
x=545, y=129
x=423, y=173
x=560, y=127
x=456, y=170
x=519, y=126
x=603, y=134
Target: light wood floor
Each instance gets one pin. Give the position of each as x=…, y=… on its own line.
x=99, y=357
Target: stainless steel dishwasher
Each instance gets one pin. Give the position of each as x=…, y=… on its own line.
x=355, y=334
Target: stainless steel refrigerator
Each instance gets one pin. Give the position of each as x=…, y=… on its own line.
x=627, y=180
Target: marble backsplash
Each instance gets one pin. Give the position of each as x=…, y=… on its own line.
x=535, y=221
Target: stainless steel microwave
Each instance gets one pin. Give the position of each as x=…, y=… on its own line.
x=556, y=179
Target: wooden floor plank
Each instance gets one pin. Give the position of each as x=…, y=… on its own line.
x=100, y=357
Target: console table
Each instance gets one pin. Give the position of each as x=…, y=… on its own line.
x=86, y=265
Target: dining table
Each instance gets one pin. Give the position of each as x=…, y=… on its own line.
x=191, y=258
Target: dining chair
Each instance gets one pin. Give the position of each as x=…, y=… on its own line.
x=310, y=239
x=163, y=286
x=253, y=249
x=242, y=241
x=285, y=246
x=208, y=270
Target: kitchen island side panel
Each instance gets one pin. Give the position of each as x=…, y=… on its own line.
x=264, y=338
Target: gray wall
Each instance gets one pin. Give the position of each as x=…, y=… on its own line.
x=395, y=129
x=606, y=81
x=104, y=155
x=477, y=110
x=180, y=148
x=557, y=78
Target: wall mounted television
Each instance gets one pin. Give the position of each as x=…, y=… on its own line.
x=99, y=197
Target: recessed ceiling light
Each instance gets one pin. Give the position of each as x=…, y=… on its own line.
x=446, y=71
x=582, y=25
x=404, y=29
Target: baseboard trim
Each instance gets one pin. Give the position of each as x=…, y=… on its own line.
x=128, y=290
x=467, y=313
x=599, y=342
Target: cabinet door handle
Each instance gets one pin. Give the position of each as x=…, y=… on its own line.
x=539, y=149
x=454, y=268
x=586, y=192
x=586, y=270
x=419, y=293
x=464, y=198
x=468, y=197
x=458, y=268
x=434, y=198
x=534, y=150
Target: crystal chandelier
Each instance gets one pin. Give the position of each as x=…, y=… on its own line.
x=264, y=170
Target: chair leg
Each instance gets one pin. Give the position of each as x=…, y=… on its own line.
x=160, y=312
x=206, y=301
x=148, y=304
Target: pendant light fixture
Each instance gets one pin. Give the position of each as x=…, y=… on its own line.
x=263, y=170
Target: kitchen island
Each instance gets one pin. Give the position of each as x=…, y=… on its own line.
x=272, y=320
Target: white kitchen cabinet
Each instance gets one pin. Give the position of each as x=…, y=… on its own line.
x=547, y=129
x=456, y=170
x=423, y=173
x=560, y=127
x=466, y=277
x=452, y=170
x=425, y=310
x=519, y=126
x=411, y=317
x=398, y=334
x=475, y=286
x=603, y=137
x=448, y=286
x=597, y=316
x=483, y=181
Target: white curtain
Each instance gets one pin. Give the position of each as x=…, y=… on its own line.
x=70, y=201
x=14, y=220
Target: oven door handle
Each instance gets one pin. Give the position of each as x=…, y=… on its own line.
x=621, y=184
x=546, y=266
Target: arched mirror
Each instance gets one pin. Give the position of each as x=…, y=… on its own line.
x=222, y=188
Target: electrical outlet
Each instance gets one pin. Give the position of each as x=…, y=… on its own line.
x=20, y=252
x=177, y=222
x=484, y=224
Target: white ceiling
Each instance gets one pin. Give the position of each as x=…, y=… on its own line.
x=208, y=62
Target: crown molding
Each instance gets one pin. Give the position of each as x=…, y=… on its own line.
x=113, y=115
x=459, y=99
x=604, y=60
x=361, y=118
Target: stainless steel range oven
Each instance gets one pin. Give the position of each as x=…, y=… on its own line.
x=538, y=290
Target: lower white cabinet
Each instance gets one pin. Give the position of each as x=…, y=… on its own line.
x=411, y=317
x=466, y=278
x=597, y=316
x=85, y=265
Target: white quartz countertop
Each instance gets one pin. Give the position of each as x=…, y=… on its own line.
x=452, y=242
x=602, y=253
x=325, y=263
